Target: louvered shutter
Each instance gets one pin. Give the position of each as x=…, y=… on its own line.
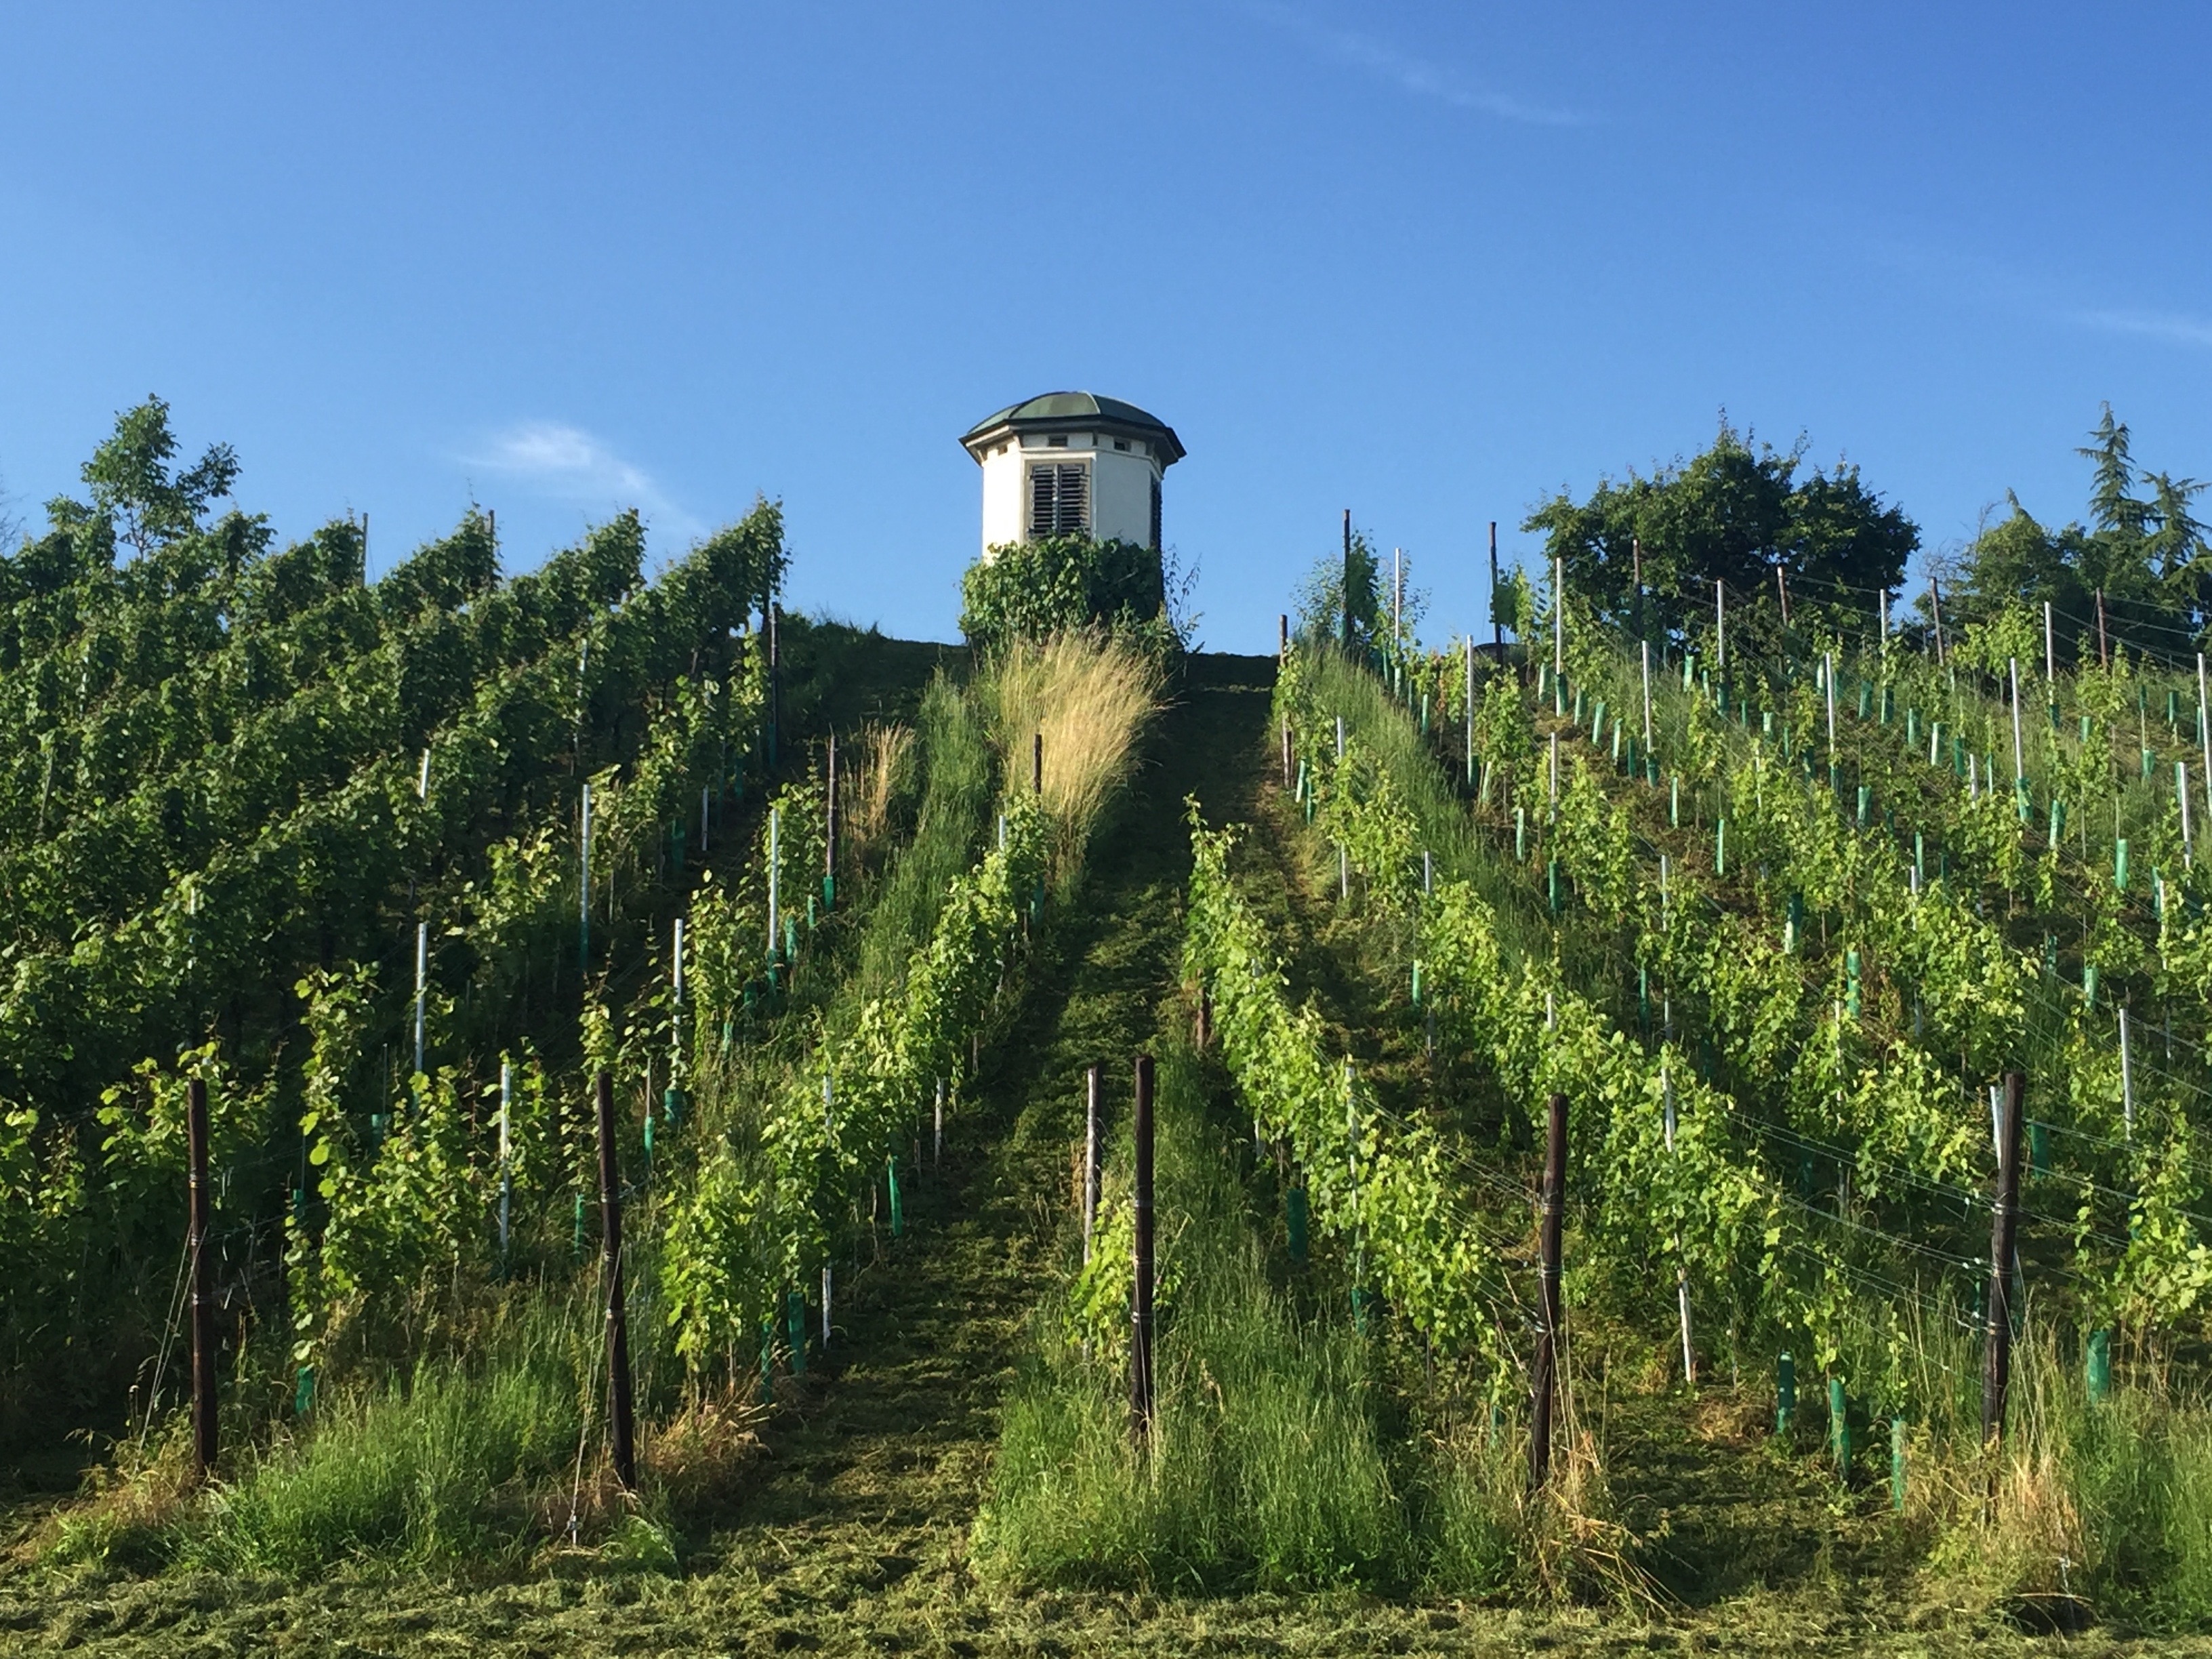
x=1075, y=482
x=1044, y=495
x=1060, y=499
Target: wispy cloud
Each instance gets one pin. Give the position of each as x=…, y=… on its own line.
x=2032, y=295
x=2170, y=326
x=1418, y=75
x=570, y=465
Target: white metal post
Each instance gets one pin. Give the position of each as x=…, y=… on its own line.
x=2019, y=756
x=2204, y=730
x=1470, y=711
x=506, y=1146
x=676, y=1011
x=1559, y=621
x=2181, y=794
x=2127, y=1079
x=583, y=878
x=1828, y=674
x=1647, y=696
x=1681, y=1267
x=422, y=985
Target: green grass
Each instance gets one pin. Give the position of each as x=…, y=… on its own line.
x=453, y=1465
x=1269, y=1463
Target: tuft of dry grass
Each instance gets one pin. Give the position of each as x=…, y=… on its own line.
x=881, y=759
x=1088, y=699
x=699, y=1454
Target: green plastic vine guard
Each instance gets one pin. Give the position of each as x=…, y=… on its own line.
x=2120, y=863
x=1866, y=801
x=898, y=1210
x=1897, y=1464
x=576, y=1240
x=794, y=1325
x=2058, y=823
x=1785, y=1392
x=2099, y=1369
x=2038, y=1150
x=1839, y=1428
x=303, y=1391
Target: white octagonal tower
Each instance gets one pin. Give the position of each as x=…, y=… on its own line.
x=1070, y=462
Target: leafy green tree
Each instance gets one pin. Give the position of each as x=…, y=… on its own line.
x=1340, y=599
x=2145, y=553
x=134, y=489
x=1734, y=514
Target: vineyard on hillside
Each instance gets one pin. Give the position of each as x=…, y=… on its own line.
x=1778, y=933
x=395, y=873
x=586, y=1109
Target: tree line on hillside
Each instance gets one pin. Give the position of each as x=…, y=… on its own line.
x=1642, y=554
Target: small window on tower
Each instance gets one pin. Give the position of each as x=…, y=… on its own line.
x=1060, y=442
x=1120, y=443
x=1060, y=499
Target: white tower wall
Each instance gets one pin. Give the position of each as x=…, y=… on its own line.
x=1121, y=460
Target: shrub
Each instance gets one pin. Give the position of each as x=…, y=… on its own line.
x=1034, y=590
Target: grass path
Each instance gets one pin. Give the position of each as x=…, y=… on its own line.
x=851, y=1533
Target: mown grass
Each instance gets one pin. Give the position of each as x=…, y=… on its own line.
x=1270, y=1461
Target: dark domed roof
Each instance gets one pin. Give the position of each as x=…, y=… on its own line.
x=1067, y=411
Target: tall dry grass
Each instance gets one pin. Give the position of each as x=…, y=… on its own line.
x=883, y=758
x=1090, y=699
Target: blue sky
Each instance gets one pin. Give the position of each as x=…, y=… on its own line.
x=1429, y=262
